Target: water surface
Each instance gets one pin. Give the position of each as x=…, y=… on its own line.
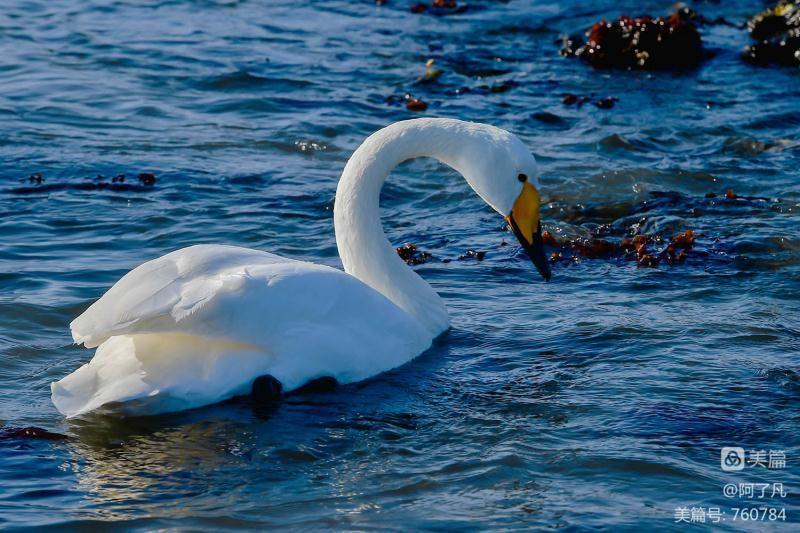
x=601, y=398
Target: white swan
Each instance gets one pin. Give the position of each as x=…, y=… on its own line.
x=198, y=325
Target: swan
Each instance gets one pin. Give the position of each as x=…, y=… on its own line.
x=199, y=325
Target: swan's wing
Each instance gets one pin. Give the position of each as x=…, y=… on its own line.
x=278, y=305
x=160, y=294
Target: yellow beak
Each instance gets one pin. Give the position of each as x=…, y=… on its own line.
x=526, y=225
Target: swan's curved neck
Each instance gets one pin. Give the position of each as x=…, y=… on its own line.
x=363, y=247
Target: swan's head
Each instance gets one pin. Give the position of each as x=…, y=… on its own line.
x=504, y=173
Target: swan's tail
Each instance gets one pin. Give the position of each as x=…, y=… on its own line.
x=159, y=372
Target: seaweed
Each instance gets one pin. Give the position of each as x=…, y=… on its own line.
x=415, y=104
x=635, y=248
x=431, y=73
x=409, y=102
x=439, y=7
x=146, y=178
x=606, y=103
x=603, y=103
x=473, y=254
x=409, y=253
x=37, y=184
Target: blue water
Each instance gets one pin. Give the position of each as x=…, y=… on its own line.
x=601, y=398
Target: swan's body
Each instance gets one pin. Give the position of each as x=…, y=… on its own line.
x=198, y=325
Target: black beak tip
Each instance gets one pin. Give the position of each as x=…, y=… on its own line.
x=546, y=273
x=535, y=249
x=542, y=265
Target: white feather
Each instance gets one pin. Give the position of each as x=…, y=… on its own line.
x=198, y=325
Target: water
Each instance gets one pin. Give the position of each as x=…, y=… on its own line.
x=600, y=398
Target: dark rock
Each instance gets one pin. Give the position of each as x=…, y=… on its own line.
x=774, y=21
x=639, y=43
x=777, y=32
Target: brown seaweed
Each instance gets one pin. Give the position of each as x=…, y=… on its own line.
x=439, y=7
x=415, y=104
x=409, y=253
x=641, y=248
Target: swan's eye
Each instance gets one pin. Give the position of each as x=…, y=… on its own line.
x=522, y=177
